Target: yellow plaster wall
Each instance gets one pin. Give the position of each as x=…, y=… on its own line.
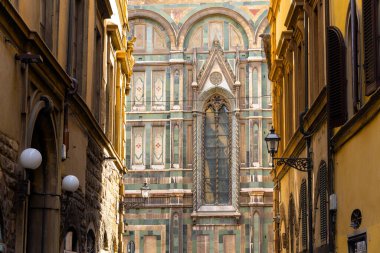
x=357, y=181
x=11, y=87
x=63, y=33
x=339, y=11
x=280, y=18
x=76, y=162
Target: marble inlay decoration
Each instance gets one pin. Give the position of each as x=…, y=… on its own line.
x=138, y=145
x=158, y=145
x=139, y=88
x=235, y=38
x=216, y=78
x=158, y=39
x=215, y=33
x=158, y=90
x=139, y=33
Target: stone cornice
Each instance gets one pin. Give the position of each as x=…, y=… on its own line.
x=283, y=43
x=296, y=8
x=114, y=32
x=104, y=7
x=276, y=71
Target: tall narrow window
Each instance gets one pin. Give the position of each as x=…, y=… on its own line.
x=371, y=35
x=336, y=78
x=255, y=144
x=323, y=201
x=292, y=224
x=76, y=59
x=90, y=242
x=70, y=243
x=303, y=215
x=216, y=170
x=255, y=87
x=176, y=146
x=97, y=74
x=256, y=233
x=46, y=21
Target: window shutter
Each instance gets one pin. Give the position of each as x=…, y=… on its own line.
x=369, y=36
x=323, y=201
x=304, y=215
x=336, y=74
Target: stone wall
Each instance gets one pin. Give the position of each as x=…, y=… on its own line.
x=8, y=186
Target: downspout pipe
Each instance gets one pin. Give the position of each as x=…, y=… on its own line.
x=330, y=159
x=74, y=83
x=307, y=135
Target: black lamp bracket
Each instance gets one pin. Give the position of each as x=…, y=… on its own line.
x=300, y=164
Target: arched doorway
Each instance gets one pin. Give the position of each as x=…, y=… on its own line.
x=90, y=242
x=44, y=203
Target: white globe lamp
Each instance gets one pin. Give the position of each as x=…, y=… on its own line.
x=30, y=158
x=70, y=183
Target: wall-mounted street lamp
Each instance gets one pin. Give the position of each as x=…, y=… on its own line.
x=70, y=183
x=30, y=158
x=301, y=164
x=138, y=202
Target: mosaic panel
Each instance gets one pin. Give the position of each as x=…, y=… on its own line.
x=139, y=88
x=138, y=145
x=196, y=39
x=158, y=145
x=150, y=244
x=158, y=39
x=235, y=38
x=139, y=32
x=203, y=244
x=215, y=33
x=158, y=90
x=229, y=243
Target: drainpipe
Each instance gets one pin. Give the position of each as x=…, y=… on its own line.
x=68, y=93
x=307, y=135
x=330, y=146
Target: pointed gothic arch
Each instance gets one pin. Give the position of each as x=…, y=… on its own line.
x=151, y=15
x=215, y=11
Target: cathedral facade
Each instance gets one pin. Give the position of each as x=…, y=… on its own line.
x=197, y=115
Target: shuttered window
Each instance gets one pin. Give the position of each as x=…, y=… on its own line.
x=323, y=201
x=303, y=215
x=371, y=37
x=336, y=73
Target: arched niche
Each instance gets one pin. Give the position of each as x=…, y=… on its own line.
x=263, y=27
x=70, y=241
x=216, y=27
x=196, y=17
x=90, y=242
x=43, y=205
x=151, y=15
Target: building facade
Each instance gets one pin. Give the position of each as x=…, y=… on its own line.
x=298, y=73
x=64, y=73
x=355, y=139
x=325, y=108
x=196, y=118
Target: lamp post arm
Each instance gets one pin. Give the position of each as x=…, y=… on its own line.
x=300, y=164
